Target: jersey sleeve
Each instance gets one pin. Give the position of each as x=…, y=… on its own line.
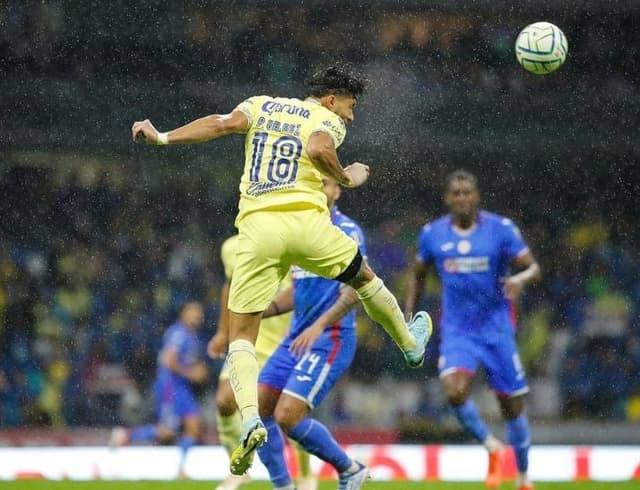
x=228, y=255
x=424, y=245
x=514, y=244
x=330, y=123
x=249, y=107
x=175, y=340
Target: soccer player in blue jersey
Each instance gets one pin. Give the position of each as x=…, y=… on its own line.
x=283, y=220
x=308, y=362
x=180, y=363
x=472, y=251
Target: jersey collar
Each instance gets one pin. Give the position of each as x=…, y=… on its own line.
x=312, y=100
x=469, y=231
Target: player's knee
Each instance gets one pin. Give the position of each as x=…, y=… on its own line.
x=457, y=392
x=287, y=417
x=511, y=408
x=226, y=403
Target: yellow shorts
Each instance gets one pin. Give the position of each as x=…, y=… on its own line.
x=271, y=241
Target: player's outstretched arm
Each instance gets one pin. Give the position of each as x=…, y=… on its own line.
x=204, y=129
x=343, y=305
x=322, y=152
x=415, y=288
x=281, y=304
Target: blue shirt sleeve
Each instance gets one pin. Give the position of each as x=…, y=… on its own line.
x=424, y=245
x=175, y=339
x=513, y=242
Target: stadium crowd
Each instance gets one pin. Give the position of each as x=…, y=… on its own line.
x=92, y=272
x=438, y=46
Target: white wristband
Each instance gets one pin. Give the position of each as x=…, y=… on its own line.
x=163, y=139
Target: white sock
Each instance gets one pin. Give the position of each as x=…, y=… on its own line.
x=493, y=444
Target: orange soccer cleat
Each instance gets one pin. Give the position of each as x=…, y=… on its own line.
x=526, y=486
x=494, y=474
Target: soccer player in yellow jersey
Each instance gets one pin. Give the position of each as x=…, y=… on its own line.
x=272, y=331
x=283, y=220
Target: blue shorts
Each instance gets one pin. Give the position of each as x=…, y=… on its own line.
x=500, y=360
x=312, y=376
x=175, y=401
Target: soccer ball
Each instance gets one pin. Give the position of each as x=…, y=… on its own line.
x=541, y=48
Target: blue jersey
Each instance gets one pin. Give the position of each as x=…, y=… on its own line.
x=471, y=265
x=185, y=342
x=313, y=295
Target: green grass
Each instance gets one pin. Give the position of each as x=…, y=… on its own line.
x=327, y=485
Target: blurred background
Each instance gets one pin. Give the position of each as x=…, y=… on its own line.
x=101, y=240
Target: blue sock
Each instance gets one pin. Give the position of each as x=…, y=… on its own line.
x=468, y=415
x=272, y=455
x=316, y=439
x=519, y=437
x=185, y=443
x=144, y=433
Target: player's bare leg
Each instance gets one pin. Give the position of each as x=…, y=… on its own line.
x=382, y=307
x=457, y=387
x=518, y=435
x=243, y=375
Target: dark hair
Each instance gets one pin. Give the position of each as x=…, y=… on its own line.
x=460, y=175
x=335, y=80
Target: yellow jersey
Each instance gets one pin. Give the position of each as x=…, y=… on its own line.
x=278, y=173
x=272, y=330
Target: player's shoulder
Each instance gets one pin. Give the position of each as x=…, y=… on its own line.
x=495, y=219
x=436, y=225
x=175, y=331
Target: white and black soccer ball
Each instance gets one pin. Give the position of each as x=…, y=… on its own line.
x=541, y=48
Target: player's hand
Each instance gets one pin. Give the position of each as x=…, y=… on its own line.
x=198, y=373
x=358, y=173
x=144, y=131
x=217, y=347
x=512, y=287
x=303, y=342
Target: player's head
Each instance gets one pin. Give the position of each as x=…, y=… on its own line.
x=461, y=194
x=337, y=89
x=192, y=314
x=331, y=189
